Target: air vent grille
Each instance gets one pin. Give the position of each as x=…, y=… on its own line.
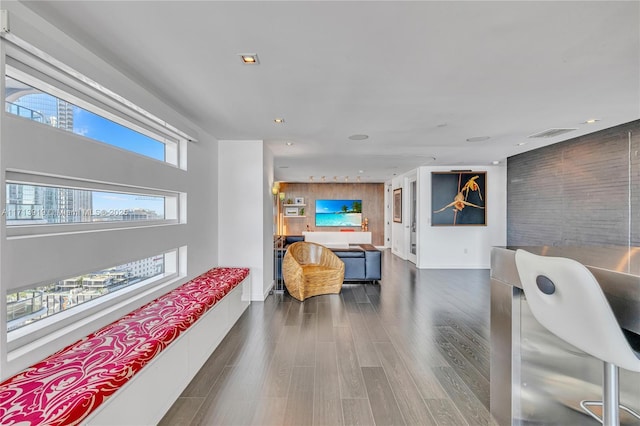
x=551, y=133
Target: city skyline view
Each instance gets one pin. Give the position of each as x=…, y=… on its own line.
x=26, y=101
x=27, y=306
x=112, y=201
x=28, y=203
x=33, y=204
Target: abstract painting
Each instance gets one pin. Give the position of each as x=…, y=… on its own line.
x=458, y=198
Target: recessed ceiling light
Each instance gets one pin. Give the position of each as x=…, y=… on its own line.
x=478, y=138
x=521, y=143
x=495, y=162
x=358, y=137
x=289, y=143
x=249, y=58
x=360, y=171
x=591, y=121
x=278, y=120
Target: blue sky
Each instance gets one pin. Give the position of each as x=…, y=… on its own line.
x=95, y=127
x=332, y=206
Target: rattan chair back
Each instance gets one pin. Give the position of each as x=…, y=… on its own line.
x=310, y=269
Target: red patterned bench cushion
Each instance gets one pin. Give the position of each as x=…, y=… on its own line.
x=66, y=387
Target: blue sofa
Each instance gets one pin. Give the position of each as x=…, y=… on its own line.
x=362, y=262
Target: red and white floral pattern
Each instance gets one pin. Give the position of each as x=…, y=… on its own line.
x=66, y=387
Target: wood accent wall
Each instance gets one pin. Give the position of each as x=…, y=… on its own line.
x=371, y=194
x=584, y=191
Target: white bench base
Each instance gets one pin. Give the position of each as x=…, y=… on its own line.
x=146, y=398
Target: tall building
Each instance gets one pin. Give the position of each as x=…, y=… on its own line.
x=28, y=203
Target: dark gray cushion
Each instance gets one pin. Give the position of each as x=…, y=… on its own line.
x=350, y=253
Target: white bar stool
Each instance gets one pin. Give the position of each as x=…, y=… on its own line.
x=566, y=298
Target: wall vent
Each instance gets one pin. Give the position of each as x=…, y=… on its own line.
x=551, y=133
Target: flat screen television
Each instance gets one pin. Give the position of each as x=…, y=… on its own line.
x=338, y=213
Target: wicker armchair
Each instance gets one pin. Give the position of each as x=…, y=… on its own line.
x=311, y=269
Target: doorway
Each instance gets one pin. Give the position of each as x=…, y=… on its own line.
x=412, y=252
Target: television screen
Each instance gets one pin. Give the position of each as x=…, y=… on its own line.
x=338, y=212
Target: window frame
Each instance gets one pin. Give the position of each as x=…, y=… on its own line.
x=46, y=330
x=172, y=206
x=48, y=85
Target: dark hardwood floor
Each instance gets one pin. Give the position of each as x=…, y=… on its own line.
x=413, y=350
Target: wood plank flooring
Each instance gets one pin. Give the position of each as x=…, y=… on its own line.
x=413, y=350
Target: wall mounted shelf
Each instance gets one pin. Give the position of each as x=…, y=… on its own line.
x=293, y=210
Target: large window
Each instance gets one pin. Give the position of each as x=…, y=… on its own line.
x=26, y=101
x=27, y=306
x=34, y=204
x=93, y=202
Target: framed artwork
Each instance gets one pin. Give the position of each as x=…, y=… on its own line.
x=291, y=211
x=298, y=200
x=459, y=198
x=397, y=205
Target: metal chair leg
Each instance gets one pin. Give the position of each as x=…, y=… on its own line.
x=611, y=399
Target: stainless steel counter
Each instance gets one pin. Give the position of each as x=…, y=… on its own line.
x=537, y=378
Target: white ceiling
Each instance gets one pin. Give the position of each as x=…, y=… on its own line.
x=419, y=78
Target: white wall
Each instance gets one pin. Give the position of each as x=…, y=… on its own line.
x=442, y=247
x=243, y=194
x=268, y=229
x=464, y=246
